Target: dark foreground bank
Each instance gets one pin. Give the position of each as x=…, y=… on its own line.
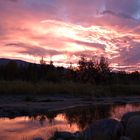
x=68, y=89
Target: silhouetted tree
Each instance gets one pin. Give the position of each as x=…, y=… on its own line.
x=11, y=70
x=104, y=70
x=93, y=70
x=104, y=66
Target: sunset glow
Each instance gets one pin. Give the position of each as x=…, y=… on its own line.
x=66, y=29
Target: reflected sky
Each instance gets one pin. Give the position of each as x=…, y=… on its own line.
x=26, y=128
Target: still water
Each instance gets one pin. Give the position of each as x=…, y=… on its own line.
x=27, y=128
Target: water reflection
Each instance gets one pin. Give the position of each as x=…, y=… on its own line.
x=85, y=115
x=26, y=128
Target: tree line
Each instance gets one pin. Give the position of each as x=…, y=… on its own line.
x=87, y=71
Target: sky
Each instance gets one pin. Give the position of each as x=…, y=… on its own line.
x=63, y=30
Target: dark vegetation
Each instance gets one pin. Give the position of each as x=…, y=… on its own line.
x=87, y=71
x=90, y=77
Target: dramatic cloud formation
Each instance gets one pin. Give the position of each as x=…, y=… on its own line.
x=63, y=30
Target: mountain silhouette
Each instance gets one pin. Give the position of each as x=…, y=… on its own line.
x=4, y=61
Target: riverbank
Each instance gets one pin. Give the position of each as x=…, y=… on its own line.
x=25, y=105
x=21, y=98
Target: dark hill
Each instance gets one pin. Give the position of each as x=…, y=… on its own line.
x=4, y=61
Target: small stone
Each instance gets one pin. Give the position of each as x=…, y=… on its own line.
x=60, y=139
x=125, y=138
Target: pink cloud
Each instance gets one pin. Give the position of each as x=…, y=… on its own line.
x=66, y=29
